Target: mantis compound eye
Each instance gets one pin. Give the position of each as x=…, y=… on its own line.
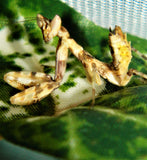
x=45, y=26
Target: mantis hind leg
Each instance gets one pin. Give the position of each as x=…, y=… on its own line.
x=135, y=72
x=94, y=78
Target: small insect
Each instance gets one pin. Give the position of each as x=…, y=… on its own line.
x=35, y=85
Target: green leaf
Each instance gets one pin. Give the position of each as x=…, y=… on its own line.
x=130, y=100
x=83, y=134
x=115, y=128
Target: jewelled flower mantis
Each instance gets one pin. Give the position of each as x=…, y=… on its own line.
x=35, y=85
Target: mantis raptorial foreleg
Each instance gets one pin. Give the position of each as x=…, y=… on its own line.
x=34, y=94
x=25, y=79
x=36, y=85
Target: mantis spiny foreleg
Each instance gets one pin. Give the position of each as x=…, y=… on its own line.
x=36, y=85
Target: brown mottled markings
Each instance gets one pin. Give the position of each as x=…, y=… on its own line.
x=85, y=65
x=93, y=65
x=35, y=100
x=33, y=73
x=89, y=77
x=111, y=50
x=49, y=78
x=80, y=57
x=130, y=72
x=88, y=55
x=38, y=89
x=50, y=86
x=26, y=87
x=63, y=29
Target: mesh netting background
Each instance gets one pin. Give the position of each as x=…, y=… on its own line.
x=131, y=15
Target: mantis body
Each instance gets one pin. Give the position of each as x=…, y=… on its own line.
x=36, y=85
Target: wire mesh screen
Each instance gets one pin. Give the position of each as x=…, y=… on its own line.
x=131, y=15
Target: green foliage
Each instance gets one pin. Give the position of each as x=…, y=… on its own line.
x=129, y=100
x=83, y=134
